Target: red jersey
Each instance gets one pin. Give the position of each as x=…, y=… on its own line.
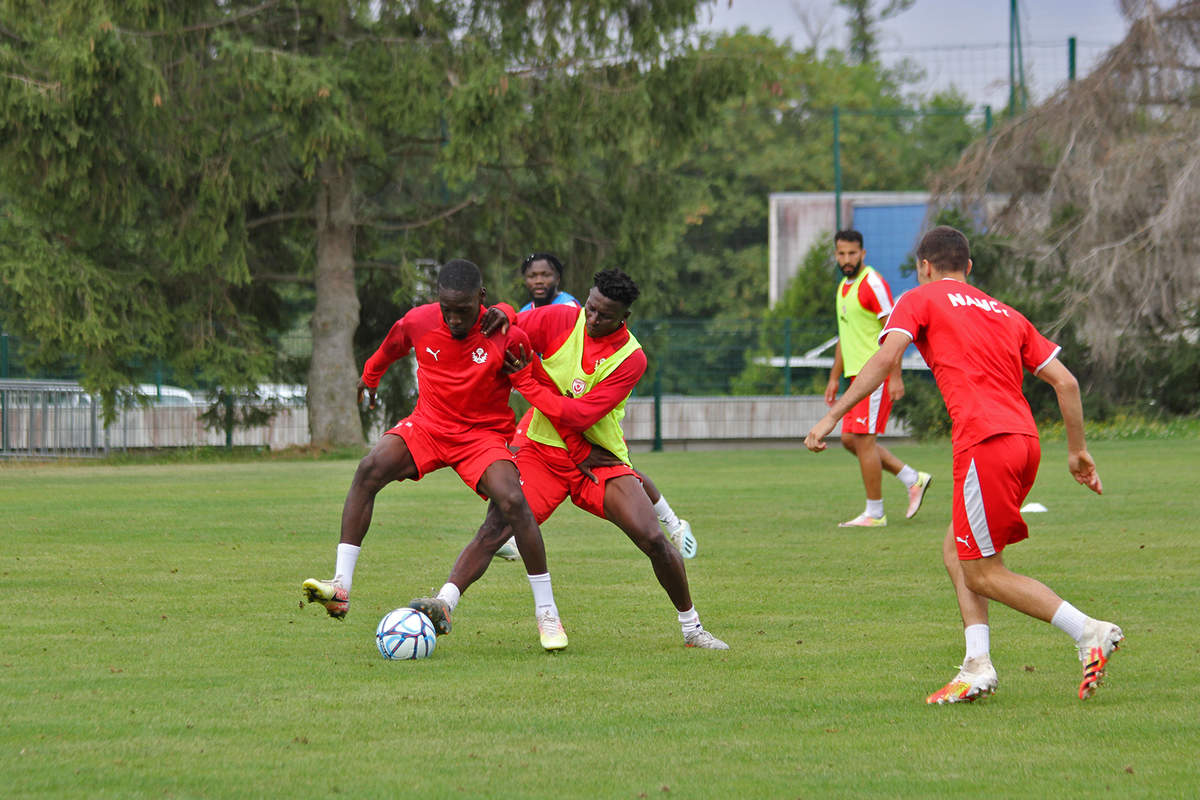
x=978, y=349
x=548, y=328
x=874, y=294
x=459, y=381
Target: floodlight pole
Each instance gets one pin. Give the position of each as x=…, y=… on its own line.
x=837, y=170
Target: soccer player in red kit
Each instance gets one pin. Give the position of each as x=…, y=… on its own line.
x=589, y=364
x=462, y=420
x=978, y=349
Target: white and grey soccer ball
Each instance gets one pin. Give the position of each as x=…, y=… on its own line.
x=405, y=634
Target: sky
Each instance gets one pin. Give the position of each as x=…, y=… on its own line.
x=964, y=42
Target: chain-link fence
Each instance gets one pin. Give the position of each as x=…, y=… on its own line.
x=708, y=381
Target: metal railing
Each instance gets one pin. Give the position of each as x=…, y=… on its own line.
x=44, y=418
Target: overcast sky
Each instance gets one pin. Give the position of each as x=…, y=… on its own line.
x=959, y=41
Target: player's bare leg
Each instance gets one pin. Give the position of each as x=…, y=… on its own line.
x=627, y=506
x=388, y=461
x=508, y=515
x=1095, y=639
x=679, y=530
x=976, y=676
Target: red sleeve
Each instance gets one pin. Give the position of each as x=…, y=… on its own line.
x=509, y=312
x=578, y=448
x=395, y=345
x=517, y=337
x=548, y=326
x=875, y=295
x=580, y=413
x=1036, y=350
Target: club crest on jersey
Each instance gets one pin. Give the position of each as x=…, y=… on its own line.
x=479, y=356
x=578, y=387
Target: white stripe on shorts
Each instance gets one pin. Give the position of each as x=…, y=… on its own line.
x=876, y=400
x=976, y=516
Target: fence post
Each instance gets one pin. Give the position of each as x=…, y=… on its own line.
x=228, y=421
x=787, y=357
x=658, y=442
x=3, y=395
x=1071, y=59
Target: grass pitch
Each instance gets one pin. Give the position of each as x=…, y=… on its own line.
x=153, y=643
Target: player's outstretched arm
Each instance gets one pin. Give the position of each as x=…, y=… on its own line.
x=866, y=381
x=1066, y=389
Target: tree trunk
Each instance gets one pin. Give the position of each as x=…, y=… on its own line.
x=333, y=376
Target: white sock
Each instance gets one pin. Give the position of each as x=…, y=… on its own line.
x=689, y=620
x=874, y=508
x=1070, y=620
x=347, y=557
x=665, y=514
x=978, y=641
x=907, y=476
x=543, y=593
x=450, y=593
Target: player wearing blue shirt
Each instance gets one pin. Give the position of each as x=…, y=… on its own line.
x=543, y=273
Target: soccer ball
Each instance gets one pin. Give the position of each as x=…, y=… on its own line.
x=405, y=634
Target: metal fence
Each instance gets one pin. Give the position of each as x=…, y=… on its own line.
x=709, y=382
x=58, y=419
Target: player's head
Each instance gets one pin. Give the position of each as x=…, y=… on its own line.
x=542, y=273
x=848, y=248
x=943, y=251
x=608, y=303
x=460, y=293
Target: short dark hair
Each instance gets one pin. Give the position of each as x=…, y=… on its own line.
x=549, y=258
x=460, y=275
x=946, y=248
x=849, y=235
x=616, y=285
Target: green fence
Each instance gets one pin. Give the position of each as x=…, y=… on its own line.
x=709, y=358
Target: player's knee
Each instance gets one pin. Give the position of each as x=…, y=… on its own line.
x=511, y=502
x=653, y=543
x=978, y=577
x=848, y=441
x=372, y=473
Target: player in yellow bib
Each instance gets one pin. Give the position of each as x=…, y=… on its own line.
x=864, y=302
x=575, y=448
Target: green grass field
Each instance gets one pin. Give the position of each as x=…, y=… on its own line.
x=153, y=644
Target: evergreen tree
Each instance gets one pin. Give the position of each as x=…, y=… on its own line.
x=170, y=170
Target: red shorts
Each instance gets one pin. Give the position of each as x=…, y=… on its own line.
x=469, y=453
x=548, y=477
x=991, y=481
x=870, y=415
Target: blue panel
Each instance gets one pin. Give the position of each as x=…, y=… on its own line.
x=890, y=234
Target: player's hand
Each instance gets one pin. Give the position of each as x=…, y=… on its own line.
x=494, y=321
x=598, y=457
x=1084, y=470
x=815, y=440
x=516, y=361
x=831, y=392
x=896, y=388
x=364, y=389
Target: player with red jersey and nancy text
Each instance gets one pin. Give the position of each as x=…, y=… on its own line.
x=978, y=349
x=462, y=420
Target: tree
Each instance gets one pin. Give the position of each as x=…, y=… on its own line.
x=169, y=169
x=778, y=137
x=1101, y=182
x=862, y=23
